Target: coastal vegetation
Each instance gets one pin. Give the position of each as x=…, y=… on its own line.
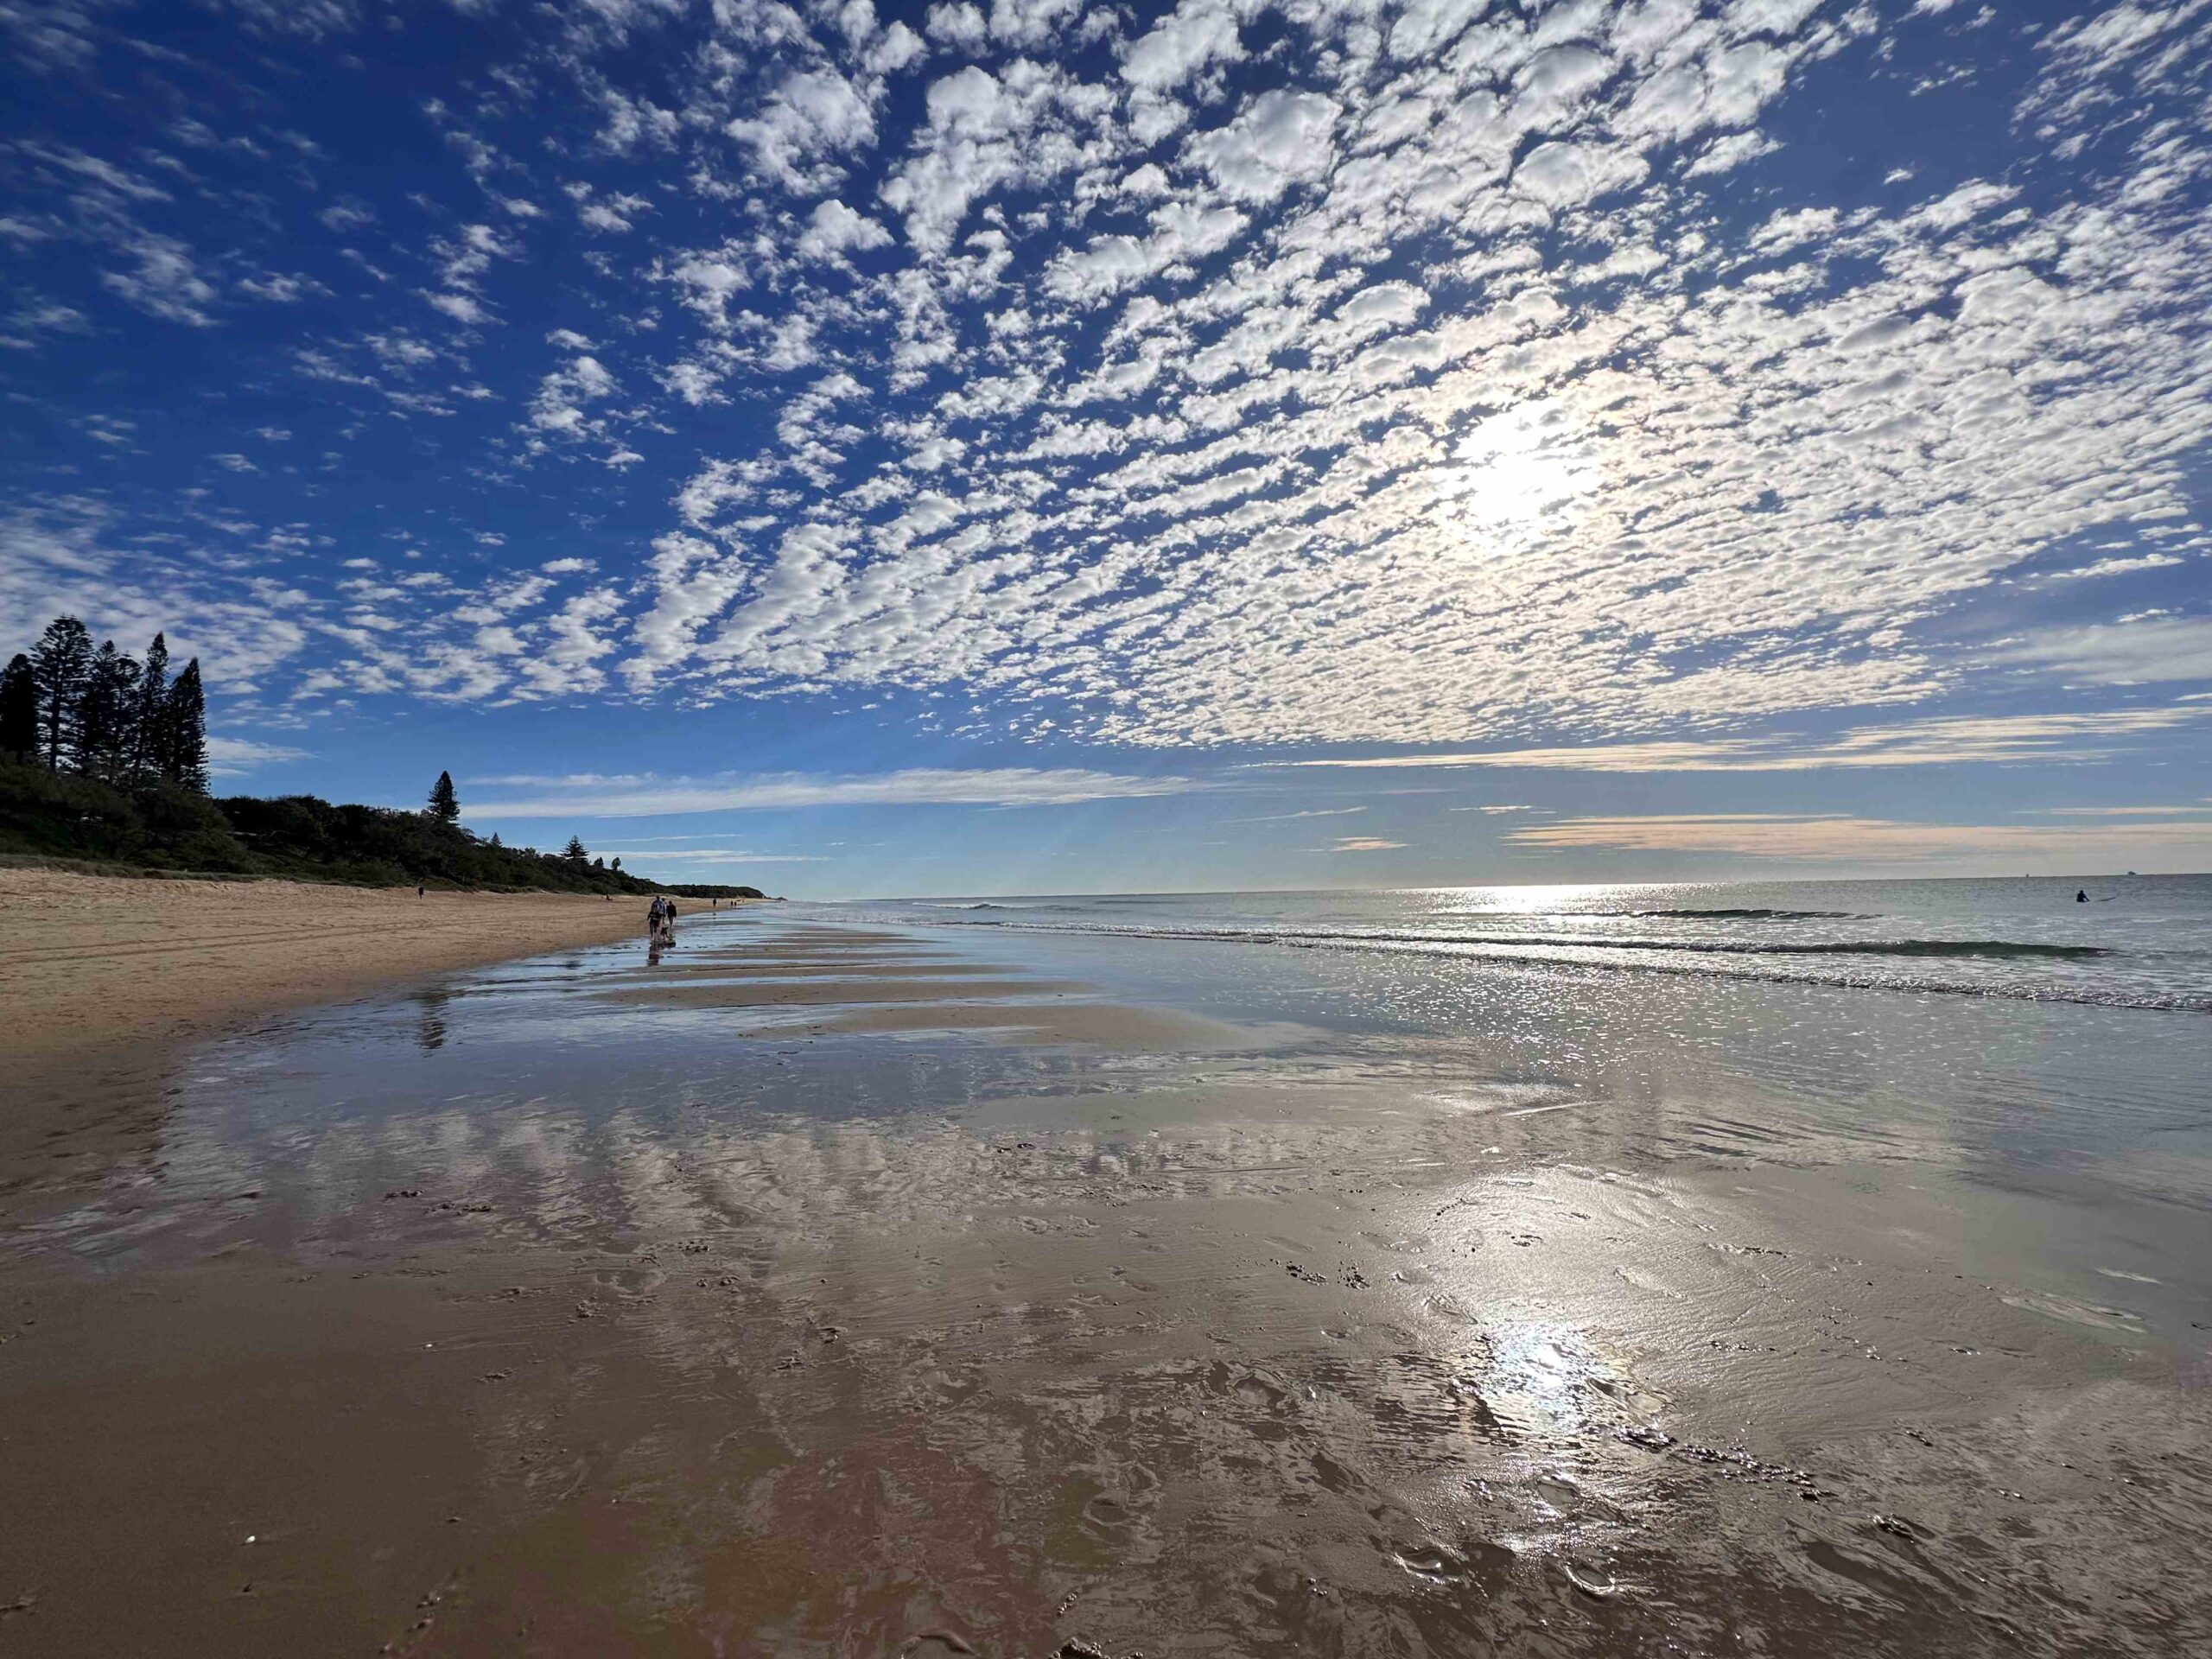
x=103, y=759
x=101, y=714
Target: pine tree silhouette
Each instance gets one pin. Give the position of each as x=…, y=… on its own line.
x=146, y=719
x=184, y=721
x=18, y=709
x=105, y=739
x=445, y=805
x=60, y=662
x=575, y=849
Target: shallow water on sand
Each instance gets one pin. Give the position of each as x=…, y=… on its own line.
x=831, y=1289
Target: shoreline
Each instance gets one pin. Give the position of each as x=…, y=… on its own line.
x=93, y=967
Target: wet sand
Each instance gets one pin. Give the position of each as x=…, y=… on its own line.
x=90, y=962
x=581, y=1305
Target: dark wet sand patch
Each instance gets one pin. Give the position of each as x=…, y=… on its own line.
x=1100, y=1024
x=830, y=992
x=1017, y=1397
x=737, y=965
x=802, y=942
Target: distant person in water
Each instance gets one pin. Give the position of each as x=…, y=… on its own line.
x=2082, y=897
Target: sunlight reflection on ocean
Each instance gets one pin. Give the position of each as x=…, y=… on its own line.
x=2134, y=941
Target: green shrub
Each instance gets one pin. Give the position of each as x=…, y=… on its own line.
x=164, y=827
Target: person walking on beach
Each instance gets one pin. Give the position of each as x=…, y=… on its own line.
x=653, y=919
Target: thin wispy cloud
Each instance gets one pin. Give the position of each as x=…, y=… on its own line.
x=2157, y=648
x=1841, y=837
x=236, y=757
x=1310, y=812
x=2198, y=808
x=1961, y=741
x=595, y=797
x=666, y=857
x=2117, y=567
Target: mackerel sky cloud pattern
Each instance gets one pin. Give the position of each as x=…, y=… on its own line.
x=1376, y=376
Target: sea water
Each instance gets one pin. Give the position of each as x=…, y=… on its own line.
x=2000, y=1028
x=2131, y=941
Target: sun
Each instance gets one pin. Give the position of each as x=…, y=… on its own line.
x=1519, y=475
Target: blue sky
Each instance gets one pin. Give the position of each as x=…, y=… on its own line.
x=1046, y=447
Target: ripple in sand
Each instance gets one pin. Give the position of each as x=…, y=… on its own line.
x=1592, y=1581
x=1431, y=1563
x=2094, y=1315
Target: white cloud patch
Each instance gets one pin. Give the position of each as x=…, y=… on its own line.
x=1196, y=35
x=162, y=280
x=236, y=757
x=563, y=396
x=813, y=119
x=834, y=230
x=1564, y=174
x=1280, y=139
x=1112, y=263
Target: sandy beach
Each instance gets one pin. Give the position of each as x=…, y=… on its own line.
x=105, y=978
x=90, y=963
x=823, y=1287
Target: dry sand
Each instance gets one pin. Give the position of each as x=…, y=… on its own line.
x=90, y=965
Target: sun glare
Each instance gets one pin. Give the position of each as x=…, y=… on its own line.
x=1522, y=474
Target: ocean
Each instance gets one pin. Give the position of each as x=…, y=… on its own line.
x=2141, y=942
x=1998, y=1028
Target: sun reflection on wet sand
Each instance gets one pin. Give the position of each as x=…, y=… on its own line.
x=1173, y=1335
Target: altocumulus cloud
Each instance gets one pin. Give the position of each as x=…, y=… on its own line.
x=1255, y=372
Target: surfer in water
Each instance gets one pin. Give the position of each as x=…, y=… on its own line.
x=2082, y=896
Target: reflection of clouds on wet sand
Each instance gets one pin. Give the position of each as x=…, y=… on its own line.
x=1184, y=1336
